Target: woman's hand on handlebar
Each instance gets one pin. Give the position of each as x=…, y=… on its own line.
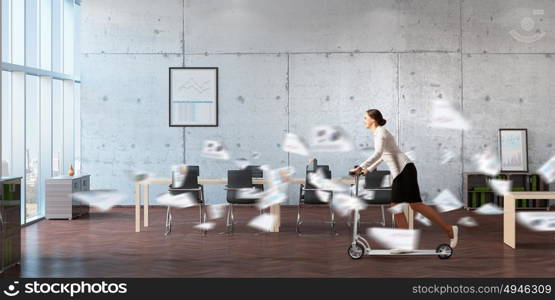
x=358, y=171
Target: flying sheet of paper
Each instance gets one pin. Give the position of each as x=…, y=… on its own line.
x=500, y=187
x=216, y=211
x=205, y=226
x=214, y=149
x=318, y=180
x=420, y=218
x=411, y=155
x=547, y=170
x=272, y=197
x=487, y=163
x=137, y=176
x=330, y=139
x=362, y=192
x=294, y=144
x=344, y=204
x=323, y=196
x=386, y=181
x=397, y=208
x=249, y=193
x=255, y=155
x=103, y=200
x=489, y=209
x=181, y=200
x=467, y=221
x=537, y=220
x=446, y=157
x=446, y=201
x=444, y=115
x=264, y=222
x=393, y=238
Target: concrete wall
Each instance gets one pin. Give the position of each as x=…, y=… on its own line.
x=286, y=66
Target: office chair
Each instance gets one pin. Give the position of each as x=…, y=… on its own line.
x=190, y=184
x=256, y=173
x=382, y=194
x=237, y=180
x=307, y=196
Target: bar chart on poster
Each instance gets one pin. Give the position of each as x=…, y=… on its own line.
x=193, y=97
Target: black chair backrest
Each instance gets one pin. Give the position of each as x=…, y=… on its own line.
x=255, y=171
x=325, y=169
x=239, y=179
x=312, y=165
x=373, y=180
x=191, y=179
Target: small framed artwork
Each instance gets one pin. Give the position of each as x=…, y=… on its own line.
x=193, y=97
x=513, y=149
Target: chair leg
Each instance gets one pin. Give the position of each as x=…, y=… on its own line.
x=299, y=221
x=383, y=216
x=202, y=211
x=168, y=221
x=332, y=214
x=228, y=219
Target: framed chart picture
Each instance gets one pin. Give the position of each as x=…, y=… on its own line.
x=513, y=150
x=193, y=97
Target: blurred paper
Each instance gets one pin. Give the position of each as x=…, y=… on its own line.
x=467, y=221
x=489, y=209
x=264, y=222
x=205, y=226
x=487, y=163
x=137, y=176
x=392, y=238
x=214, y=149
x=103, y=200
x=397, y=208
x=294, y=144
x=272, y=197
x=216, y=211
x=242, y=163
x=446, y=201
x=386, y=181
x=318, y=180
x=411, y=155
x=444, y=115
x=181, y=201
x=249, y=193
x=500, y=187
x=179, y=172
x=537, y=220
x=323, y=196
x=446, y=156
x=547, y=170
x=330, y=139
x=344, y=204
x=420, y=218
x=255, y=155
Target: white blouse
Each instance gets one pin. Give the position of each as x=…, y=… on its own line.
x=386, y=150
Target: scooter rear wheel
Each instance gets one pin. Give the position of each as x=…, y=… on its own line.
x=444, y=251
x=356, y=251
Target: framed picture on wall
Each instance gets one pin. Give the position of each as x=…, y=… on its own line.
x=513, y=149
x=193, y=97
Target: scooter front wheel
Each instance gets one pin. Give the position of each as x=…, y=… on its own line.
x=356, y=251
x=444, y=251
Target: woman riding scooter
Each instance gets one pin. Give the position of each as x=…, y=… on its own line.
x=405, y=183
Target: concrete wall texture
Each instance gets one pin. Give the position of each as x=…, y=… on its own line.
x=287, y=66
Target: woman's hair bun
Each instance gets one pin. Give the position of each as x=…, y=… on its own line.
x=382, y=122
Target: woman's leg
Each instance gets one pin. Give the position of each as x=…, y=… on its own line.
x=400, y=219
x=431, y=214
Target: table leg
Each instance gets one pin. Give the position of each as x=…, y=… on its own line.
x=509, y=234
x=409, y=215
x=275, y=211
x=137, y=207
x=146, y=195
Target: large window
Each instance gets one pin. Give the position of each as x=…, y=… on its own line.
x=40, y=95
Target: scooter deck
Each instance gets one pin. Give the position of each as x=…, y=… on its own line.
x=413, y=252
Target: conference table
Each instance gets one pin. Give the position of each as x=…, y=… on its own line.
x=509, y=212
x=274, y=209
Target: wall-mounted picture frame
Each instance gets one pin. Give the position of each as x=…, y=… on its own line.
x=513, y=149
x=193, y=97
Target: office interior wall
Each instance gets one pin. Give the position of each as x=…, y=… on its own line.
x=286, y=66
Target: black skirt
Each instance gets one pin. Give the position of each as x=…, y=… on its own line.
x=405, y=186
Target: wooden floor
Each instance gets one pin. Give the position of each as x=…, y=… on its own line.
x=105, y=245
